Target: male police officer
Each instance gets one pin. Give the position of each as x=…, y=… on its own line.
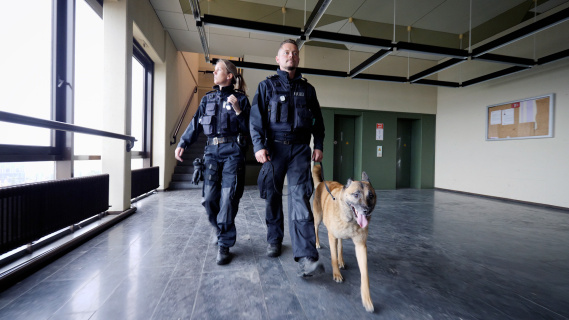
x=284, y=113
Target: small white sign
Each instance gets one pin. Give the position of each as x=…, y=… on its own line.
x=379, y=151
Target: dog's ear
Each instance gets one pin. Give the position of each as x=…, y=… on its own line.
x=349, y=182
x=365, y=177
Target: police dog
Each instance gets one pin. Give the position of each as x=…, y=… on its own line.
x=345, y=217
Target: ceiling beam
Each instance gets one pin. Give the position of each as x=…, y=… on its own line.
x=377, y=77
x=493, y=75
x=313, y=20
x=342, y=38
x=246, y=25
x=438, y=68
x=272, y=67
x=428, y=49
x=516, y=61
x=521, y=33
x=438, y=83
x=369, y=62
x=194, y=4
x=553, y=57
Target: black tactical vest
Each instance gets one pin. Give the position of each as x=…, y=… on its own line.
x=288, y=109
x=219, y=118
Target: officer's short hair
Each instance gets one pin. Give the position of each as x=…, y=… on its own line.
x=287, y=41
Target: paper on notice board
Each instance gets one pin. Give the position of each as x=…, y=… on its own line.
x=507, y=117
x=528, y=111
x=496, y=117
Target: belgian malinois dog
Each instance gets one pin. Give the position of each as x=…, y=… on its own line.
x=345, y=217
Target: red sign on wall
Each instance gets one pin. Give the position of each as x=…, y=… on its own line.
x=379, y=126
x=515, y=105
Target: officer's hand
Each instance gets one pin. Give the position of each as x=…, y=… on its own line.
x=235, y=103
x=317, y=155
x=262, y=156
x=178, y=154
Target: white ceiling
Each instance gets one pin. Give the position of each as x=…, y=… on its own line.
x=451, y=17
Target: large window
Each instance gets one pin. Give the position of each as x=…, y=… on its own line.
x=88, y=97
x=26, y=69
x=141, y=124
x=26, y=84
x=53, y=71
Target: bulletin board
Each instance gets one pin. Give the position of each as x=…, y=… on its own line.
x=521, y=119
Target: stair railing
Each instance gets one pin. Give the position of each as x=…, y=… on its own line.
x=181, y=120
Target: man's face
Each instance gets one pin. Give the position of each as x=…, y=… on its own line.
x=287, y=57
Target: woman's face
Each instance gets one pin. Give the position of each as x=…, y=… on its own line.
x=220, y=75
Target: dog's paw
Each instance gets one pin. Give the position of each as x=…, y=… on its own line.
x=368, y=305
x=318, y=245
x=338, y=277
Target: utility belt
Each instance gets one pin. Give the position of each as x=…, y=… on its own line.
x=240, y=139
x=290, y=138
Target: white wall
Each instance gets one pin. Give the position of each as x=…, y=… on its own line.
x=173, y=84
x=533, y=170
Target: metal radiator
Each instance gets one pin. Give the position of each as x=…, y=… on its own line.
x=144, y=180
x=31, y=211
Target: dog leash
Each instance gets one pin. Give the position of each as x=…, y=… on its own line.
x=323, y=180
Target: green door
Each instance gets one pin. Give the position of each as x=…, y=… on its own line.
x=403, y=153
x=344, y=138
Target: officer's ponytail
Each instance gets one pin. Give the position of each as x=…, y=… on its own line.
x=237, y=79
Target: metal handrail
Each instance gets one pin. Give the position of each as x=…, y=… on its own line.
x=62, y=126
x=175, y=134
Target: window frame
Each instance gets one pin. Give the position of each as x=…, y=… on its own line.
x=141, y=56
x=62, y=79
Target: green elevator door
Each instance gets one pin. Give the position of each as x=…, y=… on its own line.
x=344, y=136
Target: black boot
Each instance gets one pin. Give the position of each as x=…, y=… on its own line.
x=310, y=267
x=223, y=255
x=274, y=250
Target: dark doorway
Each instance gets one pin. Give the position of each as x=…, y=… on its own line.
x=344, y=143
x=403, y=153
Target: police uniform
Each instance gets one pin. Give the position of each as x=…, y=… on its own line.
x=284, y=114
x=224, y=156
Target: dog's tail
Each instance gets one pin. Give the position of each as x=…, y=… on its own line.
x=317, y=174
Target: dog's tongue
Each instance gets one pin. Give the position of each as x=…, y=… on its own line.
x=362, y=220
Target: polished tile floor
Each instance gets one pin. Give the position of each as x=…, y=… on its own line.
x=432, y=255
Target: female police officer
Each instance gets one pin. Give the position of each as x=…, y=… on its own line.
x=223, y=115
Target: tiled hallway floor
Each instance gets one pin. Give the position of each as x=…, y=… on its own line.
x=431, y=255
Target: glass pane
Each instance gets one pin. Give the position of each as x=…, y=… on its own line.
x=137, y=104
x=136, y=163
x=82, y=168
x=25, y=27
x=88, y=78
x=12, y=173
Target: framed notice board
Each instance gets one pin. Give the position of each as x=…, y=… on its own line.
x=521, y=119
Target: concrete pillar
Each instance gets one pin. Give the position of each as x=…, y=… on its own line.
x=117, y=100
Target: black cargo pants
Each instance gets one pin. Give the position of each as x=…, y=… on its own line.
x=224, y=179
x=292, y=160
